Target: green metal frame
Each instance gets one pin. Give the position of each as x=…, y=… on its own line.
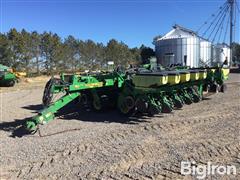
x=161, y=98
x=47, y=114
x=7, y=78
x=73, y=90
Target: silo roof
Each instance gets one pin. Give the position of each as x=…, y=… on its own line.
x=180, y=32
x=222, y=45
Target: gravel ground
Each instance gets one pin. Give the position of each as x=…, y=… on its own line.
x=88, y=145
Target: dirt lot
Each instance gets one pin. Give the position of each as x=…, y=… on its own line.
x=88, y=145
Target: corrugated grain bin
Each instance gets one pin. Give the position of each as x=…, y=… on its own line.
x=222, y=53
x=205, y=52
x=183, y=46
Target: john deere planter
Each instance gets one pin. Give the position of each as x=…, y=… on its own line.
x=134, y=91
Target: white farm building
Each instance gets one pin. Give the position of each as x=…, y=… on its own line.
x=185, y=47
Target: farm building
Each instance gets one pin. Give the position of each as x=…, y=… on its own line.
x=185, y=47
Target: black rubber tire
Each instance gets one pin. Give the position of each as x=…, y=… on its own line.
x=187, y=101
x=152, y=110
x=126, y=105
x=178, y=104
x=166, y=108
x=129, y=101
x=223, y=88
x=141, y=105
x=47, y=95
x=128, y=114
x=11, y=83
x=215, y=88
x=205, y=87
x=85, y=101
x=97, y=107
x=196, y=98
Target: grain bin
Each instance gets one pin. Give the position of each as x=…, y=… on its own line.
x=183, y=46
x=222, y=53
x=205, y=52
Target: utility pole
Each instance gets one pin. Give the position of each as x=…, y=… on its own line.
x=231, y=3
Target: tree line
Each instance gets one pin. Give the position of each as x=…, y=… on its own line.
x=46, y=52
x=37, y=53
x=236, y=53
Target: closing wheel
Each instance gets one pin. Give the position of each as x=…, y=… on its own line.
x=215, y=88
x=11, y=83
x=141, y=105
x=187, y=99
x=178, y=103
x=223, y=88
x=206, y=87
x=166, y=107
x=195, y=96
x=152, y=110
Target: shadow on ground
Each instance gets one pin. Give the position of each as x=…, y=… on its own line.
x=235, y=70
x=35, y=108
x=73, y=111
x=16, y=127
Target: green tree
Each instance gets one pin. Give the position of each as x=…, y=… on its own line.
x=35, y=50
x=31, y=51
x=101, y=56
x=136, y=56
x=117, y=52
x=71, y=53
x=146, y=53
x=236, y=53
x=51, y=50
x=92, y=54
x=27, y=44
x=16, y=47
x=5, y=51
